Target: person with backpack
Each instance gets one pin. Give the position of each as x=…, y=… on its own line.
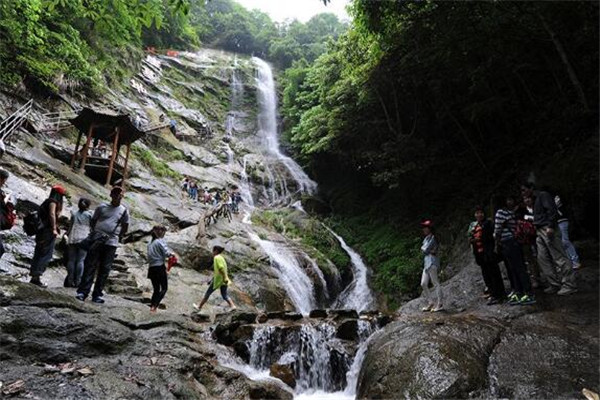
x=158, y=252
x=552, y=257
x=7, y=210
x=220, y=279
x=481, y=238
x=46, y=234
x=109, y=224
x=563, y=226
x=431, y=266
x=526, y=235
x=505, y=225
x=79, y=229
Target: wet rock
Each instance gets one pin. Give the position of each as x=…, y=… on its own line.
x=262, y=318
x=540, y=357
x=428, y=360
x=348, y=330
x=237, y=316
x=285, y=372
x=285, y=315
x=343, y=314
x=383, y=320
x=318, y=314
x=200, y=318
x=242, y=350
x=264, y=390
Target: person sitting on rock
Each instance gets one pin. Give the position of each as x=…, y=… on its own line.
x=111, y=219
x=79, y=229
x=431, y=268
x=220, y=279
x=158, y=252
x=481, y=238
x=46, y=236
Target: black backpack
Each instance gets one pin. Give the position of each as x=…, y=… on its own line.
x=32, y=223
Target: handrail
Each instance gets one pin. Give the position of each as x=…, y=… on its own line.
x=15, y=120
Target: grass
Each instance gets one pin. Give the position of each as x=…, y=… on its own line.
x=156, y=165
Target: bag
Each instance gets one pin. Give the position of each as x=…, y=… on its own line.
x=96, y=238
x=32, y=223
x=93, y=240
x=8, y=217
x=525, y=232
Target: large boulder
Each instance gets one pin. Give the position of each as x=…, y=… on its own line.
x=542, y=358
x=285, y=372
x=428, y=358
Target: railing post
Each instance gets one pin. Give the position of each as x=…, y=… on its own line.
x=113, y=157
x=86, y=148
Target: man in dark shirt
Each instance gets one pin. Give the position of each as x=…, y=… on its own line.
x=552, y=257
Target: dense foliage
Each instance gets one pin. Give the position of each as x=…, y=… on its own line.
x=58, y=45
x=423, y=109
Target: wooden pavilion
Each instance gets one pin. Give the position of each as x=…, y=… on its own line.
x=106, y=133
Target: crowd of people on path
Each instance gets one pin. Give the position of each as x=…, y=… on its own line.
x=92, y=242
x=530, y=237
x=230, y=199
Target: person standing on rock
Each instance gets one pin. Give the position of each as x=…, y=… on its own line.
x=158, y=252
x=563, y=226
x=430, y=248
x=5, y=204
x=111, y=221
x=79, y=229
x=505, y=225
x=552, y=258
x=220, y=279
x=481, y=238
x=46, y=236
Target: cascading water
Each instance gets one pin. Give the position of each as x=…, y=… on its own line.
x=296, y=283
x=267, y=124
x=357, y=295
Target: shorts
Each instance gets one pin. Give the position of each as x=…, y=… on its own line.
x=210, y=290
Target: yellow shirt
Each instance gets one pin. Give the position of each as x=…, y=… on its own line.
x=220, y=268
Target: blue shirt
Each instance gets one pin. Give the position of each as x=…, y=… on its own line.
x=158, y=252
x=430, y=248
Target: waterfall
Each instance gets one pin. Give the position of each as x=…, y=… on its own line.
x=267, y=124
x=292, y=276
x=357, y=295
x=229, y=153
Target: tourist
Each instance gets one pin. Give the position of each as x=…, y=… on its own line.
x=6, y=209
x=173, y=126
x=431, y=268
x=193, y=190
x=526, y=236
x=185, y=187
x=79, y=229
x=220, y=279
x=552, y=258
x=481, y=238
x=110, y=221
x=45, y=237
x=505, y=225
x=563, y=226
x=158, y=252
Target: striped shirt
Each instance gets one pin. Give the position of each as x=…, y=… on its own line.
x=505, y=225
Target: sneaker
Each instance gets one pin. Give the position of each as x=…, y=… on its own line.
x=37, y=282
x=493, y=301
x=527, y=300
x=566, y=291
x=513, y=300
x=551, y=289
x=80, y=296
x=196, y=306
x=438, y=308
x=98, y=300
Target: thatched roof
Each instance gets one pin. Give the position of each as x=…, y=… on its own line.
x=104, y=123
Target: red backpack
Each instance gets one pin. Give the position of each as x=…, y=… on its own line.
x=525, y=232
x=8, y=216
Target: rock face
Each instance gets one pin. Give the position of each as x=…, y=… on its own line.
x=549, y=350
x=121, y=350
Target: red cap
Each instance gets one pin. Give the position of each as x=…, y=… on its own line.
x=427, y=223
x=59, y=189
